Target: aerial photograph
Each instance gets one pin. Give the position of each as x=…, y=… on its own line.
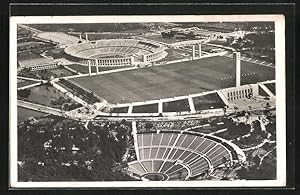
x=151, y=101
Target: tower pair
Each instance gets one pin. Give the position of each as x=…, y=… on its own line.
x=194, y=51
x=86, y=37
x=90, y=68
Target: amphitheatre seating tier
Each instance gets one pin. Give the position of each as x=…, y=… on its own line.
x=196, y=152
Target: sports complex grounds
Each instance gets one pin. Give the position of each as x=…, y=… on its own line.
x=151, y=102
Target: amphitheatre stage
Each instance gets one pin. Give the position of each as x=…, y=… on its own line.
x=170, y=80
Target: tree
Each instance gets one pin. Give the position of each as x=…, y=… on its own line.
x=148, y=126
x=94, y=160
x=66, y=107
x=53, y=102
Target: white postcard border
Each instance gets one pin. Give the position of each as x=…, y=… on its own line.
x=280, y=98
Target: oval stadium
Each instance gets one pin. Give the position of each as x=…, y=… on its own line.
x=116, y=52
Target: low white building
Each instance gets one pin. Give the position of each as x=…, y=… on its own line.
x=37, y=64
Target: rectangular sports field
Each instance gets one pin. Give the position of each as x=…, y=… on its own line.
x=168, y=80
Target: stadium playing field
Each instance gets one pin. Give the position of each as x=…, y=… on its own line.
x=168, y=80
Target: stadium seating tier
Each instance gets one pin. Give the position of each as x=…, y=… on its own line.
x=122, y=47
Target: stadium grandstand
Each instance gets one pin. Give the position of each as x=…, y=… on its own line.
x=115, y=52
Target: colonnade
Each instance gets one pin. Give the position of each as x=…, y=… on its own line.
x=108, y=62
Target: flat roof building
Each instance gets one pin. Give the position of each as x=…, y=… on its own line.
x=37, y=64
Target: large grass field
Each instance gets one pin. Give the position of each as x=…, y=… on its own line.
x=168, y=80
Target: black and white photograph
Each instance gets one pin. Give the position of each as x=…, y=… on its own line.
x=147, y=101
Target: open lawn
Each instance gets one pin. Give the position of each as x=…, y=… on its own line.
x=161, y=39
x=24, y=114
x=46, y=74
x=55, y=53
x=150, y=108
x=208, y=101
x=22, y=83
x=27, y=55
x=60, y=72
x=48, y=96
x=168, y=80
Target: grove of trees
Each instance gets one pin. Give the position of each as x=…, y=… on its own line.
x=65, y=150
